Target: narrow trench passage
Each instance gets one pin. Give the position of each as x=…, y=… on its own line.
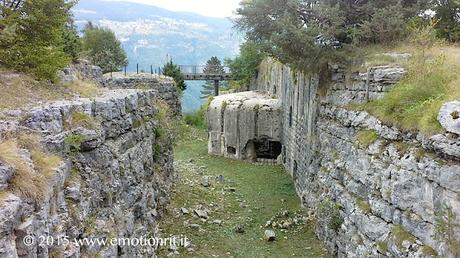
x=224, y=207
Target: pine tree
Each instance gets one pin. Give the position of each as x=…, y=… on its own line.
x=32, y=36
x=213, y=66
x=172, y=70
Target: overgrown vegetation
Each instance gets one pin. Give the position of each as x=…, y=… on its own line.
x=328, y=212
x=366, y=137
x=30, y=179
x=413, y=104
x=382, y=247
x=21, y=90
x=363, y=205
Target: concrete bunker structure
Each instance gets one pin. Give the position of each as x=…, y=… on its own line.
x=245, y=126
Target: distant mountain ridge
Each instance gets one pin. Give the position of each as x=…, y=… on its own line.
x=149, y=34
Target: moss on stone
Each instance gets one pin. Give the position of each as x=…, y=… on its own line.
x=400, y=235
x=429, y=251
x=363, y=205
x=382, y=247
x=367, y=137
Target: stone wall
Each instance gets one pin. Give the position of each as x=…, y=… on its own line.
x=380, y=200
x=113, y=181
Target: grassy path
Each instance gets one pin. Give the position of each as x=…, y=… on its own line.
x=240, y=195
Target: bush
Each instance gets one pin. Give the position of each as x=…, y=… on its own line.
x=328, y=211
x=244, y=66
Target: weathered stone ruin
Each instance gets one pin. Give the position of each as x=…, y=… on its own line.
x=245, y=126
x=377, y=200
x=113, y=181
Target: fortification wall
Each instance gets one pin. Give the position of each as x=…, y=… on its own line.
x=380, y=200
x=113, y=180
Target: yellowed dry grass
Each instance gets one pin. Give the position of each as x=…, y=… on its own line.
x=29, y=180
x=20, y=90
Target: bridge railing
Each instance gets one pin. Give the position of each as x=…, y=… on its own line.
x=204, y=69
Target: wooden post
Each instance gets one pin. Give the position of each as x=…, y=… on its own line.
x=151, y=69
x=216, y=87
x=137, y=68
x=125, y=70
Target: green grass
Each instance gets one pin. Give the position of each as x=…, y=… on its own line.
x=267, y=190
x=414, y=103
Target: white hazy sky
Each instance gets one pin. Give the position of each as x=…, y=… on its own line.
x=213, y=8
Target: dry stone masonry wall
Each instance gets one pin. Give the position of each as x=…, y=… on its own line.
x=382, y=198
x=113, y=181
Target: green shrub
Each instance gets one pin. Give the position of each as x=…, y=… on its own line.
x=196, y=120
x=367, y=137
x=74, y=141
x=328, y=211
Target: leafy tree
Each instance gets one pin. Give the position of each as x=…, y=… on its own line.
x=448, y=15
x=213, y=66
x=103, y=48
x=244, y=66
x=31, y=37
x=172, y=70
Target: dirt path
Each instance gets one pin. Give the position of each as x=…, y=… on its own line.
x=225, y=207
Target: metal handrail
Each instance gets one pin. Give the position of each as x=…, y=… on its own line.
x=204, y=69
